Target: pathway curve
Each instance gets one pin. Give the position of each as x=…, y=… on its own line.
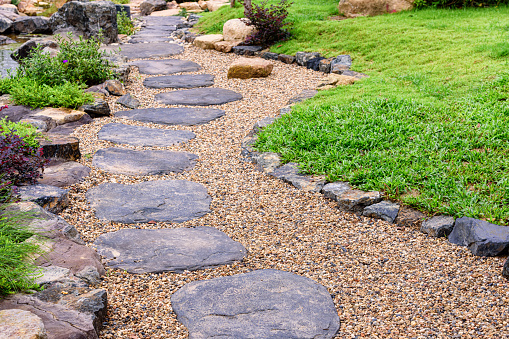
x=384, y=281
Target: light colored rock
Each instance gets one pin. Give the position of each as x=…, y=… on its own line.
x=9, y=8
x=215, y=5
x=166, y=12
x=207, y=41
x=51, y=274
x=237, y=29
x=115, y=87
x=61, y=115
x=203, y=4
x=226, y=46
x=245, y=68
x=356, y=8
x=19, y=324
x=333, y=80
x=190, y=6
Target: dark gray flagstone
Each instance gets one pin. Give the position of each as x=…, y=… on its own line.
x=180, y=81
x=186, y=116
x=165, y=67
x=143, y=136
x=198, y=97
x=152, y=50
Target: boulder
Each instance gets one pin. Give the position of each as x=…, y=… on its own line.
x=68, y=129
x=340, y=64
x=51, y=198
x=334, y=80
x=215, y=5
x=60, y=147
x=114, y=87
x=409, y=217
x=385, y=210
x=481, y=237
x=505, y=269
x=334, y=189
x=60, y=115
x=190, y=6
x=87, y=18
x=9, y=8
x=287, y=59
x=5, y=24
x=4, y=40
x=303, y=57
x=166, y=12
x=356, y=8
x=98, y=108
x=207, y=41
x=325, y=65
x=259, y=125
x=245, y=68
x=26, y=49
x=438, y=226
x=64, y=174
x=237, y=29
x=149, y=6
x=31, y=24
x=16, y=323
x=314, y=63
x=356, y=200
x=304, y=95
x=128, y=101
x=226, y=46
x=267, y=162
x=247, y=50
x=269, y=56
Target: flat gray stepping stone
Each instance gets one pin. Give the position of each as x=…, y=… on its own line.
x=164, y=67
x=199, y=97
x=153, y=50
x=132, y=162
x=142, y=40
x=259, y=304
x=168, y=250
x=180, y=81
x=160, y=200
x=185, y=116
x=143, y=136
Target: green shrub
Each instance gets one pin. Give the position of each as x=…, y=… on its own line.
x=124, y=24
x=26, y=131
x=458, y=3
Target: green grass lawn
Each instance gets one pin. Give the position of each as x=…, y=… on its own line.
x=429, y=126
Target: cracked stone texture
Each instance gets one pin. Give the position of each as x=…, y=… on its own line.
x=61, y=147
x=199, y=97
x=52, y=198
x=133, y=162
x=334, y=189
x=304, y=95
x=481, y=237
x=180, y=81
x=165, y=67
x=174, y=250
x=21, y=324
x=64, y=174
x=143, y=51
x=185, y=116
x=143, y=136
x=161, y=200
x=266, y=162
x=259, y=304
x=289, y=173
x=385, y=210
x=438, y=226
x=356, y=200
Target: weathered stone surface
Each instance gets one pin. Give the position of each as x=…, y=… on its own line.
x=166, y=12
x=438, y=226
x=505, y=269
x=165, y=200
x=237, y=29
x=409, y=217
x=245, y=68
x=165, y=67
x=15, y=113
x=53, y=199
x=385, y=210
x=481, y=237
x=26, y=48
x=303, y=57
x=42, y=123
x=52, y=274
x=114, y=87
x=87, y=18
x=334, y=189
x=149, y=6
x=143, y=136
x=266, y=162
x=164, y=250
x=128, y=101
x=67, y=129
x=314, y=63
x=289, y=173
x=356, y=8
x=325, y=65
x=60, y=115
x=180, y=81
x=90, y=275
x=356, y=200
x=334, y=80
x=226, y=46
x=259, y=125
x=64, y=174
x=304, y=95
x=149, y=39
x=259, y=304
x=132, y=162
x=269, y=56
x=185, y=116
x=190, y=6
x=5, y=40
x=20, y=324
x=199, y=97
x=60, y=147
x=99, y=108
x=247, y=50
x=340, y=64
x=31, y=24
x=5, y=25
x=207, y=41
x=285, y=110
x=287, y=59
x=154, y=50
x=357, y=75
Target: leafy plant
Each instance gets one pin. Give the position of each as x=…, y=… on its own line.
x=24, y=130
x=183, y=12
x=124, y=24
x=15, y=2
x=269, y=22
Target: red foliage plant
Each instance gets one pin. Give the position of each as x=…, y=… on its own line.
x=269, y=22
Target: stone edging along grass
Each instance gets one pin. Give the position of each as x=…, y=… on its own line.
x=481, y=237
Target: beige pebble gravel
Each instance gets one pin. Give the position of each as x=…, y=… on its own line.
x=385, y=282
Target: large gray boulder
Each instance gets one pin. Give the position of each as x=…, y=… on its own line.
x=259, y=304
x=149, y=6
x=5, y=24
x=87, y=18
x=481, y=237
x=31, y=24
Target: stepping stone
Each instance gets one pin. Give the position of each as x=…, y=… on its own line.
x=51, y=198
x=154, y=67
x=168, y=250
x=131, y=162
x=259, y=304
x=141, y=39
x=184, y=116
x=161, y=200
x=154, y=50
x=143, y=136
x=199, y=97
x=180, y=81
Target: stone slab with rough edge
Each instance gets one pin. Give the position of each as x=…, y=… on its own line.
x=481, y=237
x=168, y=250
x=185, y=116
x=162, y=200
x=198, y=97
x=149, y=39
x=289, y=173
x=15, y=323
x=154, y=50
x=438, y=226
x=52, y=198
x=132, y=162
x=409, y=217
x=304, y=95
x=333, y=189
x=356, y=200
x=165, y=67
x=142, y=136
x=180, y=81
x=207, y=41
x=385, y=210
x=259, y=304
x=64, y=174
x=61, y=147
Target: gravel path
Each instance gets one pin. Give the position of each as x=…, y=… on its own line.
x=386, y=282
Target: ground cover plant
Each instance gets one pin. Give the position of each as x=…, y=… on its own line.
x=428, y=127
x=124, y=24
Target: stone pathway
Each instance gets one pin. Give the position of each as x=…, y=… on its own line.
x=142, y=136
x=180, y=81
x=173, y=116
x=198, y=97
x=164, y=67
